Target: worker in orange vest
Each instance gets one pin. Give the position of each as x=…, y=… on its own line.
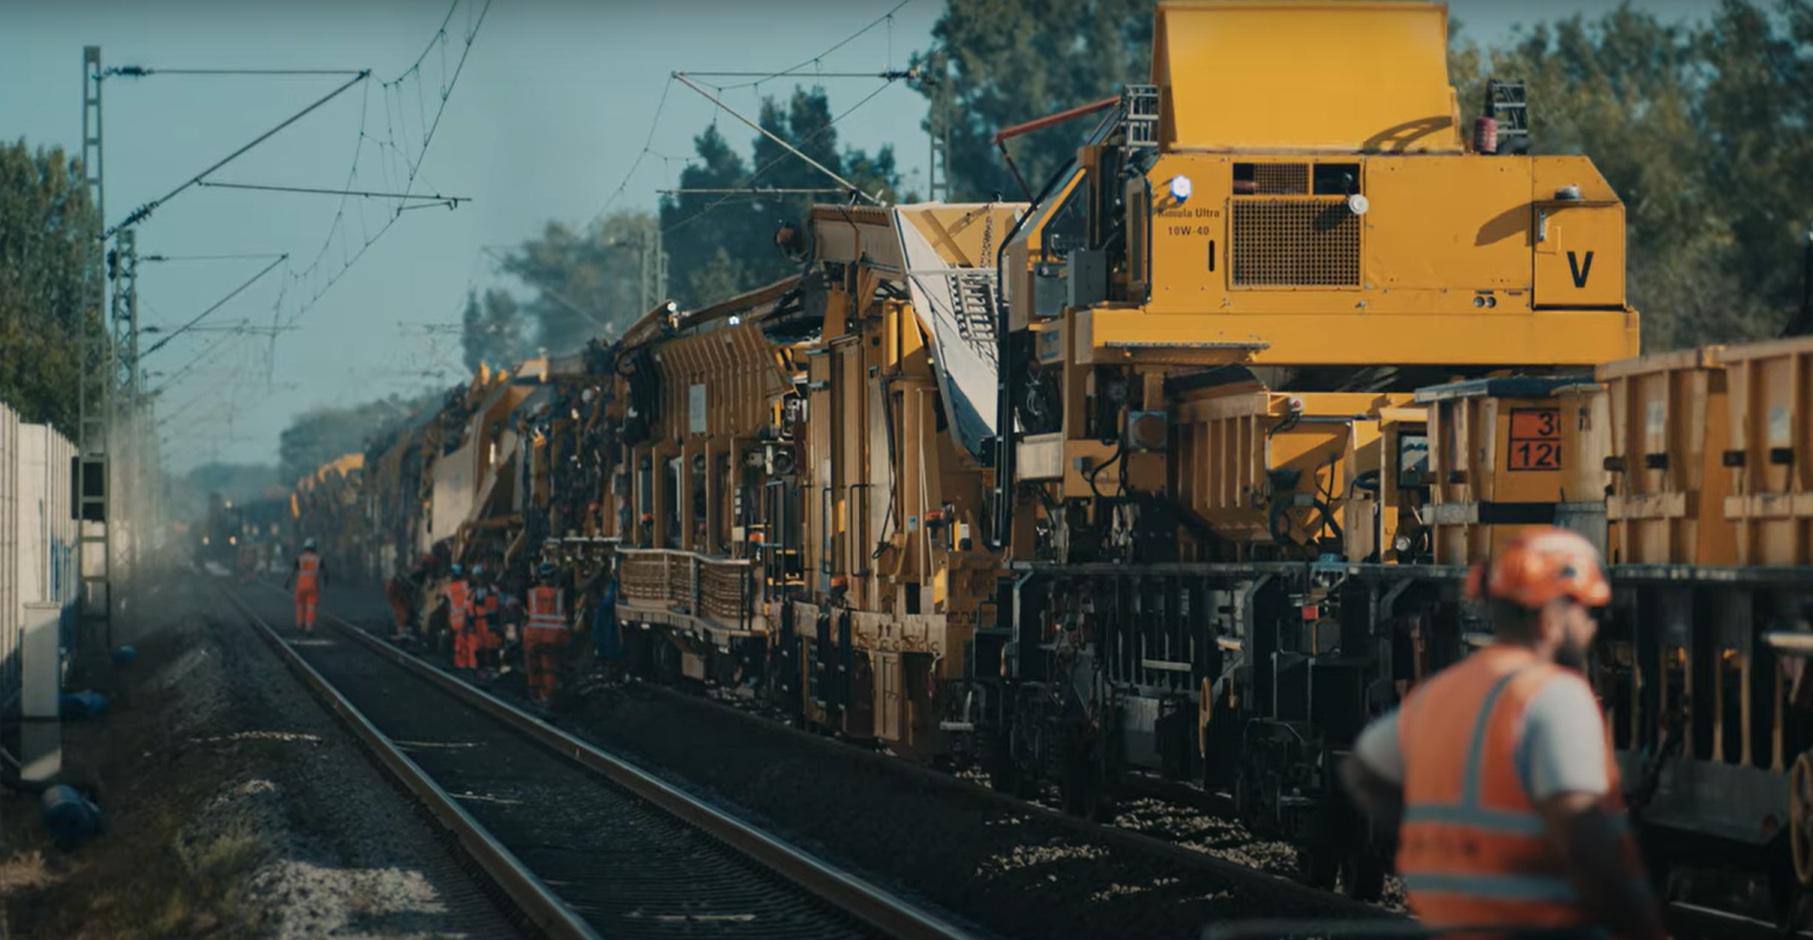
x=459, y=613
x=1498, y=771
x=546, y=637
x=484, y=636
x=309, y=574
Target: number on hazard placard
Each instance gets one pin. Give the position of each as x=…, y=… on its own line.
x=1535, y=439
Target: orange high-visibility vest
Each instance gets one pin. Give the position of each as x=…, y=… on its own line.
x=545, y=609
x=1472, y=849
x=484, y=608
x=459, y=603
x=308, y=568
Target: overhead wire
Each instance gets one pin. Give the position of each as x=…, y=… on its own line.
x=771, y=164
x=653, y=125
x=660, y=107
x=409, y=156
x=887, y=17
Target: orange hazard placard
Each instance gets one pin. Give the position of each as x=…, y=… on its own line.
x=1535, y=439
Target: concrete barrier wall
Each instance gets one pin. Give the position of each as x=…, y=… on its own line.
x=37, y=547
x=11, y=602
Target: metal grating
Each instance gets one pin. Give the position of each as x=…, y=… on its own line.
x=1295, y=243
x=1281, y=179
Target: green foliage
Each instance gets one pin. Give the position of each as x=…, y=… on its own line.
x=324, y=434
x=595, y=283
x=1705, y=132
x=719, y=245
x=583, y=284
x=49, y=283
x=999, y=64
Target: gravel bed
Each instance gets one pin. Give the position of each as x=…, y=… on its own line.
x=234, y=806
x=344, y=853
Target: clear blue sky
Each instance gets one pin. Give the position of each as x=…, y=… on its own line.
x=552, y=109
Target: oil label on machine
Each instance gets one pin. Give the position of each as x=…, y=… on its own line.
x=1535, y=439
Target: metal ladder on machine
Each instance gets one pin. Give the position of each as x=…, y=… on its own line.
x=1506, y=105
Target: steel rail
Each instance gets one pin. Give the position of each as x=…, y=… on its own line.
x=856, y=896
x=531, y=896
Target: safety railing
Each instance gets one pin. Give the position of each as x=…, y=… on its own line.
x=720, y=590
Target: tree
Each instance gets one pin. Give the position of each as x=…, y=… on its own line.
x=583, y=284
x=49, y=282
x=1702, y=132
x=321, y=435
x=723, y=244
x=492, y=330
x=999, y=64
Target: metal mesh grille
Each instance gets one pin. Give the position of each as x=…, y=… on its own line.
x=1281, y=179
x=1295, y=243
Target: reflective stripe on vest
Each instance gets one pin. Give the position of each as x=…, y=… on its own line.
x=1474, y=849
x=545, y=609
x=307, y=566
x=459, y=603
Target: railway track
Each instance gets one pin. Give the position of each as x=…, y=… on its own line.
x=582, y=843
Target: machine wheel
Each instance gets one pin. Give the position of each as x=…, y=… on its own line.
x=1800, y=819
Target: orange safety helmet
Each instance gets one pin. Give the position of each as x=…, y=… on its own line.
x=1541, y=567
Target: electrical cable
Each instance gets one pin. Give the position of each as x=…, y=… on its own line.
x=144, y=211
x=884, y=18
x=746, y=181
x=634, y=165
x=411, y=162
x=136, y=71
x=665, y=89
x=217, y=305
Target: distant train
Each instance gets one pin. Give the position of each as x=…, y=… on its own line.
x=1177, y=469
x=245, y=537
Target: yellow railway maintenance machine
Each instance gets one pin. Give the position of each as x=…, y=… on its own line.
x=1211, y=459
x=797, y=482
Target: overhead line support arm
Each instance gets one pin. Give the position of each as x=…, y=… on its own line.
x=846, y=184
x=142, y=212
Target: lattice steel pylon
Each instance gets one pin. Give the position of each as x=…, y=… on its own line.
x=125, y=450
x=94, y=548
x=654, y=268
